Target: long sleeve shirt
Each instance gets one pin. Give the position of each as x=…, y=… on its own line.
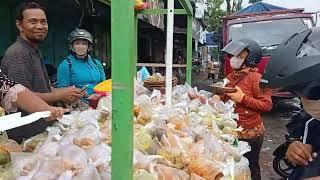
x=80, y=73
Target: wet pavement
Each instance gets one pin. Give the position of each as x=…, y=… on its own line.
x=275, y=131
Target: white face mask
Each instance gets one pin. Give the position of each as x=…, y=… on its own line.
x=312, y=107
x=236, y=62
x=80, y=47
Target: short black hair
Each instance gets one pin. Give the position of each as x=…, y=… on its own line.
x=27, y=5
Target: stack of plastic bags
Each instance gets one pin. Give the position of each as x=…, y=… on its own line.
x=195, y=138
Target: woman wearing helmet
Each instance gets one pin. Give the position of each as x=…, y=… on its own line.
x=250, y=100
x=295, y=66
x=79, y=68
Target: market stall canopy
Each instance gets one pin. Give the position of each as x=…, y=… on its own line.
x=259, y=7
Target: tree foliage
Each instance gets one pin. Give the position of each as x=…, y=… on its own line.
x=214, y=15
x=233, y=6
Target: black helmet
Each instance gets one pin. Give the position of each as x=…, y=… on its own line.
x=255, y=51
x=295, y=65
x=80, y=34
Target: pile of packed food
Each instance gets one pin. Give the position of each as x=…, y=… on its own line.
x=195, y=138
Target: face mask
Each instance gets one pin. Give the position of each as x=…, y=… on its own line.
x=236, y=62
x=80, y=49
x=312, y=107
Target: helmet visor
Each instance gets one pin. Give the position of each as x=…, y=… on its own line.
x=234, y=48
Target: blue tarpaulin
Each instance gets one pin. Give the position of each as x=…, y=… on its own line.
x=259, y=7
x=211, y=39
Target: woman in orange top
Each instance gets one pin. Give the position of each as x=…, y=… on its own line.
x=250, y=99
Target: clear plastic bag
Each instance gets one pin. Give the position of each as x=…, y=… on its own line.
x=100, y=156
x=205, y=168
x=9, y=145
x=156, y=130
x=194, y=105
x=196, y=177
x=74, y=158
x=105, y=104
x=195, y=119
x=67, y=175
x=139, y=89
x=87, y=136
x=89, y=172
x=205, y=93
x=156, y=97
x=106, y=131
x=30, y=144
x=142, y=174
x=78, y=120
x=143, y=161
x=47, y=149
x=232, y=151
x=242, y=171
x=174, y=141
x=213, y=144
x=243, y=147
x=197, y=149
x=48, y=167
x=199, y=132
x=192, y=92
x=142, y=139
x=41, y=176
x=179, y=158
x=106, y=174
x=154, y=146
x=163, y=172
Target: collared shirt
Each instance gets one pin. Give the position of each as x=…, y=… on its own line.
x=23, y=63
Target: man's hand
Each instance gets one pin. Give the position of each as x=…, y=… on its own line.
x=69, y=94
x=299, y=153
x=237, y=96
x=56, y=112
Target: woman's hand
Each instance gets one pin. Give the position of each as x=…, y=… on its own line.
x=56, y=112
x=299, y=153
x=237, y=96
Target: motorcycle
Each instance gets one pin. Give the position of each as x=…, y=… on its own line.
x=295, y=131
